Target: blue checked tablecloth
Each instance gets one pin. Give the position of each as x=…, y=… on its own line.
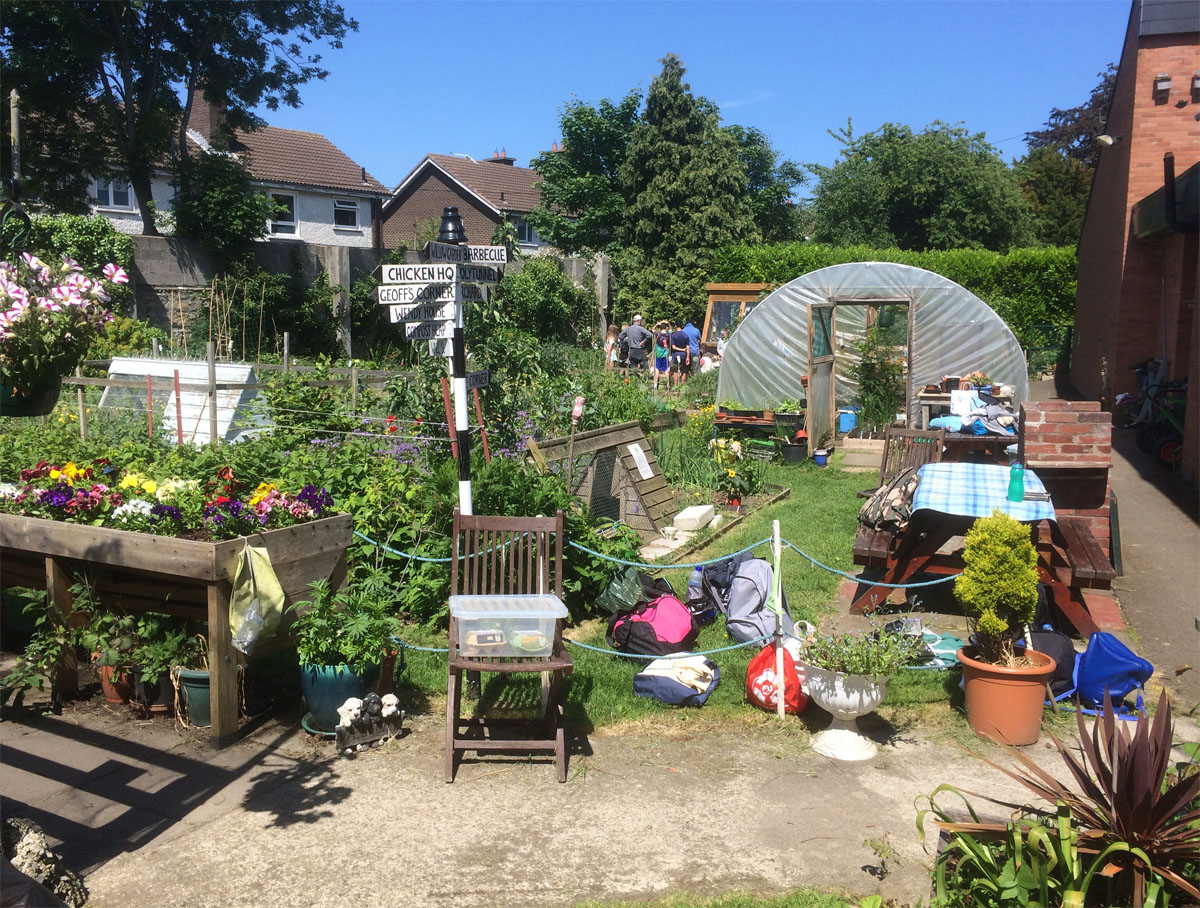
x=976, y=490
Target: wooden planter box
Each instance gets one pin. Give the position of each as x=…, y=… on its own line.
x=137, y=572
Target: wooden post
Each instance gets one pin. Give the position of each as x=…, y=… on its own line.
x=212, y=392
x=58, y=589
x=450, y=418
x=353, y=390
x=150, y=407
x=287, y=355
x=79, y=399
x=487, y=455
x=178, y=412
x=222, y=666
x=777, y=604
x=157, y=351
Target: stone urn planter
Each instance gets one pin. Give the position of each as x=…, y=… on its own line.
x=845, y=697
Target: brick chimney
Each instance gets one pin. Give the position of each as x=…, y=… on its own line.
x=209, y=120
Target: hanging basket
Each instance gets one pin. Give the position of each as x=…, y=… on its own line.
x=40, y=400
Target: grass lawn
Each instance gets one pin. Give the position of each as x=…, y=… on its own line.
x=820, y=517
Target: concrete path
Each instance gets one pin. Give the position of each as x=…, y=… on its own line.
x=155, y=819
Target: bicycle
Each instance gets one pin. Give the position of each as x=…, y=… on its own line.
x=1156, y=408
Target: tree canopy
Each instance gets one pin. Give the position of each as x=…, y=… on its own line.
x=769, y=182
x=943, y=188
x=1073, y=131
x=687, y=191
x=98, y=80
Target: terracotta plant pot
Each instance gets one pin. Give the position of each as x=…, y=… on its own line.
x=1005, y=704
x=116, y=690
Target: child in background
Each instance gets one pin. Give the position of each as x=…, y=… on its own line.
x=610, y=347
x=661, y=346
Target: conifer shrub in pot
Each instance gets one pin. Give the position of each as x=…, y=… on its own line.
x=341, y=639
x=1005, y=688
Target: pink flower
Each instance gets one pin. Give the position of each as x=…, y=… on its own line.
x=115, y=274
x=70, y=266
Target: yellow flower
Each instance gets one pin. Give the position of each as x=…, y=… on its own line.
x=264, y=489
x=130, y=481
x=149, y=486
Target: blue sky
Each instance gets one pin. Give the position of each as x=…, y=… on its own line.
x=468, y=77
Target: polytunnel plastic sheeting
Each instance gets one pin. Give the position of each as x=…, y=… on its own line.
x=951, y=332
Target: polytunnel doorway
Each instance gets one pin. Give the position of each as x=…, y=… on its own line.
x=835, y=331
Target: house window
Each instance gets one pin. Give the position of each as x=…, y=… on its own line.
x=345, y=213
x=285, y=213
x=113, y=194
x=526, y=235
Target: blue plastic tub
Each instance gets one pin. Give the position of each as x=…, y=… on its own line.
x=848, y=419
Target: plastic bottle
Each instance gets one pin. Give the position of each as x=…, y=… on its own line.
x=1016, y=482
x=695, y=587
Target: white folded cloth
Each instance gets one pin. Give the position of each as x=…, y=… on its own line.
x=694, y=671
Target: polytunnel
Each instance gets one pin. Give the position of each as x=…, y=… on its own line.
x=811, y=326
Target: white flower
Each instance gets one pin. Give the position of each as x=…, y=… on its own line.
x=133, y=509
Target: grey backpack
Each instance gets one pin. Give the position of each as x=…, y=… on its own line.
x=746, y=614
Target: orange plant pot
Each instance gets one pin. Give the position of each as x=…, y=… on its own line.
x=116, y=689
x=1005, y=704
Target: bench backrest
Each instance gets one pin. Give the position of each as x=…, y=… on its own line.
x=904, y=448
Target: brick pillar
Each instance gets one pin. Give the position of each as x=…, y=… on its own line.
x=1069, y=445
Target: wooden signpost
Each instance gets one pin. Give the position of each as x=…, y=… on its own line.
x=427, y=298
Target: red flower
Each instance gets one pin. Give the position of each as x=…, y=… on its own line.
x=225, y=473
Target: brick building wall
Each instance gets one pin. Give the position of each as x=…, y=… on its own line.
x=1069, y=445
x=1136, y=298
x=426, y=199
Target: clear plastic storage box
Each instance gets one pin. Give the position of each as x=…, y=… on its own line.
x=518, y=625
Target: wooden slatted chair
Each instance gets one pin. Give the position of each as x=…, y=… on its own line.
x=904, y=448
x=507, y=556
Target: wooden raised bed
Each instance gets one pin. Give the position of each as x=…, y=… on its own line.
x=138, y=572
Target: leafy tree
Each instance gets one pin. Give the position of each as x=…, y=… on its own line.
x=943, y=188
x=687, y=191
x=1073, y=131
x=98, y=79
x=583, y=201
x=542, y=301
x=1056, y=187
x=770, y=182
x=217, y=205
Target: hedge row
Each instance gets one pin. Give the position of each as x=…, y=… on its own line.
x=1025, y=286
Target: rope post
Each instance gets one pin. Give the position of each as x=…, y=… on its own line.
x=212, y=390
x=776, y=603
x=150, y=408
x=79, y=398
x=487, y=454
x=178, y=412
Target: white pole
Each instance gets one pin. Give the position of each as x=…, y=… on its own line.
x=777, y=604
x=458, y=387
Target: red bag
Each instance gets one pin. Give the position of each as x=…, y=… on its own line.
x=762, y=688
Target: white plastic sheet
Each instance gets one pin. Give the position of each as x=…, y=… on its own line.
x=951, y=332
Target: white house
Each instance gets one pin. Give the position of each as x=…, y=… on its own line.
x=328, y=198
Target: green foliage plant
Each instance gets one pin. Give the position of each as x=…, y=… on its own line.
x=998, y=585
x=218, y=206
x=161, y=645
x=875, y=653
x=880, y=376
x=353, y=626
x=52, y=637
x=125, y=336
x=544, y=302
x=91, y=240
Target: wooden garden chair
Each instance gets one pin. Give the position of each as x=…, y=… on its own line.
x=507, y=556
x=904, y=448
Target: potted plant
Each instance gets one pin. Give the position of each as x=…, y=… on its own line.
x=159, y=647
x=191, y=678
x=998, y=590
x=978, y=381
x=341, y=639
x=48, y=317
x=823, y=450
x=847, y=676
x=110, y=638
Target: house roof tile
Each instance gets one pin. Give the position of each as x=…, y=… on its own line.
x=291, y=156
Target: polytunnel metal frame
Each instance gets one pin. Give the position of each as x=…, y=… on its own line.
x=951, y=331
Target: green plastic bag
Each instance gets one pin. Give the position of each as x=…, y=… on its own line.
x=256, y=604
x=623, y=592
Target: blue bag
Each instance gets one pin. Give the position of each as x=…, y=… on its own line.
x=668, y=690
x=1107, y=663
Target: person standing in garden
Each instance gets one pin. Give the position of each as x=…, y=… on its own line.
x=693, y=334
x=610, y=347
x=662, y=331
x=681, y=355
x=640, y=341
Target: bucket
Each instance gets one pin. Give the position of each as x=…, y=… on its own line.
x=847, y=420
x=194, y=691
x=821, y=457
x=794, y=453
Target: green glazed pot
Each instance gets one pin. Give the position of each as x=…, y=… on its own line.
x=40, y=400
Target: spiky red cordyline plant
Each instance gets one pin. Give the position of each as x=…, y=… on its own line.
x=1121, y=797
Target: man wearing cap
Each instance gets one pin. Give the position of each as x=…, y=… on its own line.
x=640, y=341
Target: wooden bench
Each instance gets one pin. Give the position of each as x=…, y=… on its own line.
x=871, y=547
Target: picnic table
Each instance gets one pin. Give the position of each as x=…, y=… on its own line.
x=948, y=499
